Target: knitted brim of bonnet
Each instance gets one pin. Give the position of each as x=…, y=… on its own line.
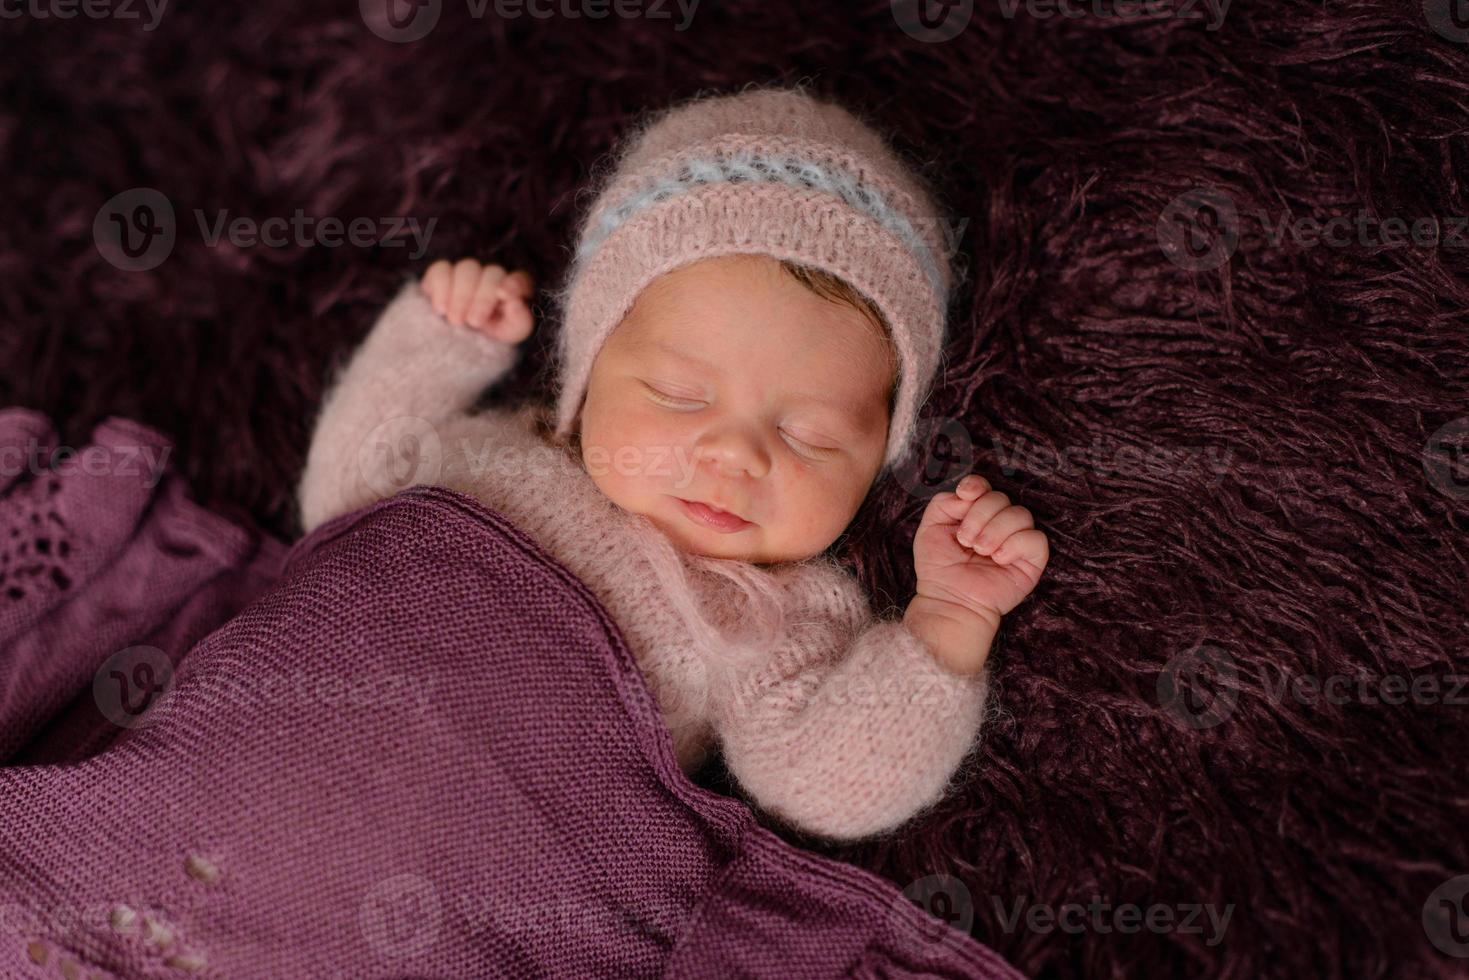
x=773, y=171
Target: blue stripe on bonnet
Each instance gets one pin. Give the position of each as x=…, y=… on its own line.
x=757, y=167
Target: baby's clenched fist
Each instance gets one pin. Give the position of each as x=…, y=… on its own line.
x=486, y=298
x=976, y=549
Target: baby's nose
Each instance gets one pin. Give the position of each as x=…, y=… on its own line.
x=734, y=452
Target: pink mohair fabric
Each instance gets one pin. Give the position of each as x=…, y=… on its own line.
x=771, y=171
x=842, y=725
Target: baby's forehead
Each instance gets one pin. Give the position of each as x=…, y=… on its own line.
x=842, y=337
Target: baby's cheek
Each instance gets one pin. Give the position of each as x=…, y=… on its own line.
x=805, y=509
x=664, y=446
x=618, y=430
x=841, y=499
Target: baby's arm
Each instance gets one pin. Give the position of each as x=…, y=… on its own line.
x=433, y=350
x=857, y=744
x=853, y=749
x=976, y=556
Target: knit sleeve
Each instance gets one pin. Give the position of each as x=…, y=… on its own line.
x=847, y=734
x=414, y=375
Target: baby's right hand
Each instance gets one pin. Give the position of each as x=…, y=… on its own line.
x=483, y=297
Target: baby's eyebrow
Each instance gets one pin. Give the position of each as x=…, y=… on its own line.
x=673, y=351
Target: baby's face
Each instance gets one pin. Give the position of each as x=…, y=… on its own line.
x=731, y=384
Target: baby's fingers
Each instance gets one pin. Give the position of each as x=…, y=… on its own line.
x=1000, y=527
x=981, y=512
x=467, y=273
x=519, y=283
x=1029, y=546
x=972, y=487
x=486, y=295
x=436, y=284
x=515, y=321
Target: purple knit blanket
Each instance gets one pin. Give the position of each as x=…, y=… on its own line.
x=421, y=749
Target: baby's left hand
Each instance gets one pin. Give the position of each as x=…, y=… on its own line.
x=975, y=548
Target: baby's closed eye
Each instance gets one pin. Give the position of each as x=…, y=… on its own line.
x=806, y=441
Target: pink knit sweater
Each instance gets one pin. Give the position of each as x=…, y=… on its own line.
x=843, y=727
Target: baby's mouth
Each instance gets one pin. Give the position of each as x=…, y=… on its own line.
x=711, y=516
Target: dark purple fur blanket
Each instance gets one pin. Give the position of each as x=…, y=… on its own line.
x=1213, y=334
x=423, y=751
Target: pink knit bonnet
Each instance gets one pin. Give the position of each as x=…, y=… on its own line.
x=773, y=171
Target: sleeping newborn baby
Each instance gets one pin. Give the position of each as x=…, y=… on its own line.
x=753, y=318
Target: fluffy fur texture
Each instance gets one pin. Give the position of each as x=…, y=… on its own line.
x=1316, y=375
